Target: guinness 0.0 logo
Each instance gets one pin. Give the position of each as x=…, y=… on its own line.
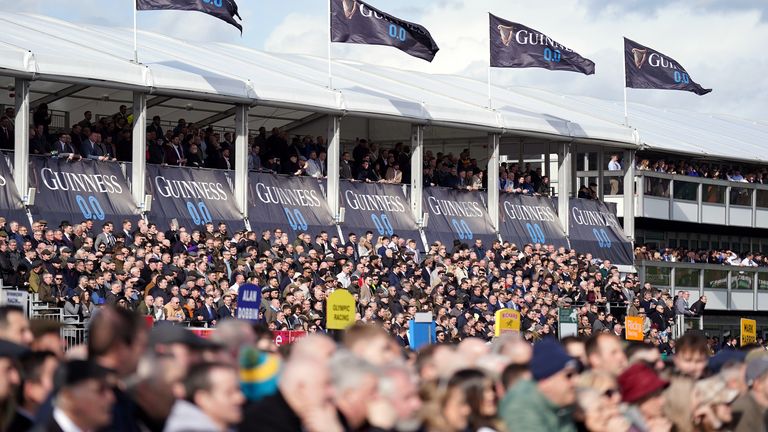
x=350, y=7
x=639, y=56
x=506, y=33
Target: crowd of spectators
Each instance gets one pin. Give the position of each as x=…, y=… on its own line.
x=109, y=279
x=701, y=256
x=710, y=170
x=130, y=377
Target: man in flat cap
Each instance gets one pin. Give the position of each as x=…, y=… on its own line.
x=83, y=399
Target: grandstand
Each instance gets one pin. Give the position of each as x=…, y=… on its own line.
x=239, y=90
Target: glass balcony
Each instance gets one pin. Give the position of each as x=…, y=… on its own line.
x=726, y=287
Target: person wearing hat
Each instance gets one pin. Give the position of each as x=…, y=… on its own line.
x=750, y=407
x=541, y=404
x=83, y=398
x=643, y=391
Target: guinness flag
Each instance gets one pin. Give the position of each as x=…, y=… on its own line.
x=514, y=45
x=225, y=10
x=646, y=68
x=355, y=21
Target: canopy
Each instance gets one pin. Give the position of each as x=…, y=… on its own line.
x=77, y=68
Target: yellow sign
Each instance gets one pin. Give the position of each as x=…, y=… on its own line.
x=340, y=312
x=748, y=331
x=507, y=321
x=634, y=328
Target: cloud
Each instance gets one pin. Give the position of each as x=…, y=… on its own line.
x=702, y=39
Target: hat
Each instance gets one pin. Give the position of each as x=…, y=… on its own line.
x=77, y=371
x=755, y=369
x=714, y=391
x=549, y=358
x=46, y=252
x=153, y=260
x=258, y=373
x=107, y=260
x=65, y=250
x=724, y=357
x=638, y=382
x=42, y=222
x=71, y=260
x=9, y=349
x=166, y=334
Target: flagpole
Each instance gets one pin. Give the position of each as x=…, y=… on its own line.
x=624, y=62
x=135, y=38
x=330, y=38
x=490, y=94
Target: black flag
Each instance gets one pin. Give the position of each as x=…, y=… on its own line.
x=646, y=68
x=514, y=45
x=225, y=10
x=355, y=21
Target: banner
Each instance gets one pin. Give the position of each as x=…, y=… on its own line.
x=293, y=204
x=378, y=207
x=633, y=328
x=514, y=45
x=506, y=321
x=355, y=21
x=595, y=229
x=457, y=215
x=225, y=10
x=340, y=310
x=75, y=191
x=646, y=68
x=193, y=196
x=248, y=302
x=748, y=332
x=11, y=207
x=529, y=219
x=287, y=337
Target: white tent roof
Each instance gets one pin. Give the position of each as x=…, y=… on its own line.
x=293, y=86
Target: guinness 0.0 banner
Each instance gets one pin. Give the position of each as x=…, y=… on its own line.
x=11, y=207
x=377, y=207
x=595, y=229
x=194, y=197
x=514, y=45
x=646, y=68
x=293, y=204
x=225, y=10
x=529, y=219
x=75, y=191
x=457, y=215
x=355, y=21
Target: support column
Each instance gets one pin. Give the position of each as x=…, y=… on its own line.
x=564, y=177
x=493, y=179
x=334, y=160
x=139, y=151
x=417, y=173
x=21, y=139
x=241, y=158
x=601, y=174
x=629, y=195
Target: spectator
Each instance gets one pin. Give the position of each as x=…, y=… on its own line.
x=14, y=325
x=539, y=404
x=642, y=390
x=213, y=400
x=681, y=304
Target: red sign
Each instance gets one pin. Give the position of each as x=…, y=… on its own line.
x=204, y=333
x=284, y=337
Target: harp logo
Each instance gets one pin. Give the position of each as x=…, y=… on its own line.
x=506, y=32
x=639, y=56
x=350, y=7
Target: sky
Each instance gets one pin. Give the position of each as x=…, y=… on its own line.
x=717, y=41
